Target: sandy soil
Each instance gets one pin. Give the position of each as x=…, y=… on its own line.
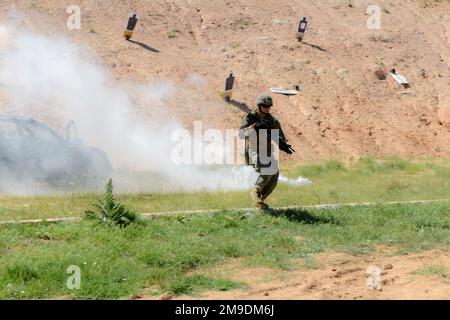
x=338, y=276
x=343, y=110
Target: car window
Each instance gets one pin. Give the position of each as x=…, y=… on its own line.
x=8, y=130
x=37, y=131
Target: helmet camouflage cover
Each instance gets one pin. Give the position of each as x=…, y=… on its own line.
x=264, y=99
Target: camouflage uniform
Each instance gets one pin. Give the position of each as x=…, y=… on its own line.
x=265, y=183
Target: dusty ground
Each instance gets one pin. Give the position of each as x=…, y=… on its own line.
x=343, y=110
x=339, y=276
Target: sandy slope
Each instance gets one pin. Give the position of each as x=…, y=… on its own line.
x=343, y=110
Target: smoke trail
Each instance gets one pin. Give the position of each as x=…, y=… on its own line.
x=300, y=181
x=50, y=79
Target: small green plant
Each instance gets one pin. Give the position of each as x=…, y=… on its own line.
x=241, y=23
x=33, y=4
x=172, y=34
x=432, y=270
x=187, y=284
x=234, y=45
x=111, y=211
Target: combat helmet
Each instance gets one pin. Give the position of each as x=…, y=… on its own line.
x=264, y=99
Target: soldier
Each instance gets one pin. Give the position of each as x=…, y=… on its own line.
x=258, y=152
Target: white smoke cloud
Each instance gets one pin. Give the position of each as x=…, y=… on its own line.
x=51, y=80
x=300, y=181
x=4, y=37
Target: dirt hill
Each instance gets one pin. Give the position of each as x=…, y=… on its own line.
x=343, y=109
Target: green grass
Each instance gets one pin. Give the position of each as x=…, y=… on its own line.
x=187, y=285
x=366, y=180
x=439, y=271
x=167, y=253
x=172, y=33
x=241, y=23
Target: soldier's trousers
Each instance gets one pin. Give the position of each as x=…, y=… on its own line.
x=265, y=184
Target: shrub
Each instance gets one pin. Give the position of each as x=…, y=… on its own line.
x=111, y=211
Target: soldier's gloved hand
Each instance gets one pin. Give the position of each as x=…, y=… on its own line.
x=286, y=147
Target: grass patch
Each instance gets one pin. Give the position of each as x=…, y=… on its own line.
x=365, y=180
x=317, y=170
x=439, y=271
x=241, y=23
x=172, y=33
x=187, y=285
x=235, y=45
x=168, y=252
x=109, y=210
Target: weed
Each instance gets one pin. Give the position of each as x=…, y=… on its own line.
x=111, y=211
x=241, y=23
x=172, y=33
x=433, y=271
x=186, y=285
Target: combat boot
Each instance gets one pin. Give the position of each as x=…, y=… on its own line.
x=262, y=205
x=259, y=203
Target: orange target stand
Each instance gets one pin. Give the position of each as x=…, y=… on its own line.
x=227, y=93
x=131, y=24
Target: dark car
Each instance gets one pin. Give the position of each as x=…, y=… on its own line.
x=30, y=150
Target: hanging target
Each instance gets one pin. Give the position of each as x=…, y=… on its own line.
x=303, y=24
